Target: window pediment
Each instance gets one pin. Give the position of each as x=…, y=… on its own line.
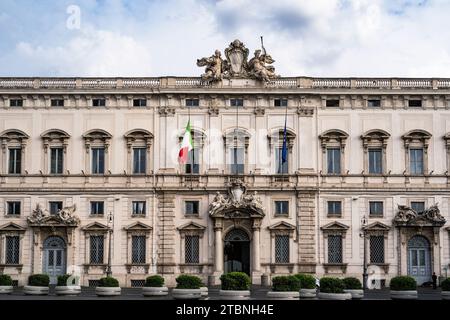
x=137, y=135
x=95, y=227
x=276, y=136
x=12, y=227
x=13, y=136
x=236, y=135
x=417, y=136
x=97, y=135
x=282, y=225
x=198, y=136
x=376, y=137
x=333, y=137
x=191, y=229
x=138, y=227
x=377, y=227
x=335, y=227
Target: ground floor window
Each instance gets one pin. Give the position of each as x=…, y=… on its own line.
x=192, y=249
x=138, y=249
x=376, y=249
x=282, y=249
x=12, y=249
x=96, y=249
x=334, y=249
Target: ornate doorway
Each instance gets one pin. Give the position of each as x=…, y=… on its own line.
x=237, y=251
x=54, y=259
x=419, y=262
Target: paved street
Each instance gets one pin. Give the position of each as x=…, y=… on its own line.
x=258, y=293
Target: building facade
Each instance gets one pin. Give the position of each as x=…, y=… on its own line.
x=90, y=174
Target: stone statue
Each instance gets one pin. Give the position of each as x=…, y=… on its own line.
x=433, y=213
x=218, y=202
x=405, y=214
x=38, y=214
x=258, y=69
x=67, y=214
x=215, y=66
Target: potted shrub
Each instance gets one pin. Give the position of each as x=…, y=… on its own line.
x=285, y=288
x=5, y=284
x=333, y=289
x=154, y=286
x=235, y=286
x=445, y=286
x=354, y=287
x=107, y=287
x=37, y=285
x=188, y=287
x=67, y=286
x=308, y=288
x=403, y=287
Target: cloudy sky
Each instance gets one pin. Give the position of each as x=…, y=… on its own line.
x=157, y=38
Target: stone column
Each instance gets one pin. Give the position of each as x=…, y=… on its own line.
x=214, y=279
x=256, y=244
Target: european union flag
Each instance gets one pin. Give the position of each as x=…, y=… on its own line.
x=284, y=153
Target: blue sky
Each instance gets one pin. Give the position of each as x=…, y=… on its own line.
x=158, y=38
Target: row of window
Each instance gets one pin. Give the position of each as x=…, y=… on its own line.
x=376, y=208
x=373, y=103
x=376, y=249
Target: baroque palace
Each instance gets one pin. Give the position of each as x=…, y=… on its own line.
x=90, y=177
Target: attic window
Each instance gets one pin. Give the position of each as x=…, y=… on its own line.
x=415, y=103
x=332, y=103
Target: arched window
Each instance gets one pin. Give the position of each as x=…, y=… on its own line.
x=139, y=142
x=374, y=146
x=55, y=143
x=13, y=148
x=195, y=156
x=236, y=148
x=333, y=150
x=97, y=156
x=416, y=151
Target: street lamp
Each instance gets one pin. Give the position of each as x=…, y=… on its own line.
x=110, y=231
x=363, y=235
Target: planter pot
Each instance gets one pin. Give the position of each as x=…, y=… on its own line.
x=335, y=296
x=67, y=290
x=445, y=295
x=35, y=291
x=204, y=291
x=186, y=294
x=155, y=291
x=234, y=294
x=108, y=291
x=6, y=289
x=283, y=295
x=308, y=293
x=356, y=293
x=404, y=295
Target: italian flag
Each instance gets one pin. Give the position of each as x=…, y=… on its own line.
x=186, y=145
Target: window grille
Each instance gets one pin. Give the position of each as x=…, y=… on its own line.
x=93, y=283
x=191, y=253
x=12, y=249
x=334, y=249
x=137, y=283
x=97, y=246
x=376, y=249
x=138, y=249
x=282, y=249
x=15, y=283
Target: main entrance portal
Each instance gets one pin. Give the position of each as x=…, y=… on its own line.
x=419, y=265
x=237, y=251
x=54, y=258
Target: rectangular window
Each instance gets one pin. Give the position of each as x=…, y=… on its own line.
x=416, y=161
x=418, y=206
x=332, y=103
x=15, y=161
x=376, y=249
x=237, y=161
x=98, y=160
x=236, y=102
x=191, y=249
x=282, y=249
x=334, y=249
x=375, y=162
x=12, y=249
x=282, y=167
x=373, y=103
x=139, y=160
x=192, y=164
x=16, y=102
x=415, y=103
x=55, y=206
x=138, y=208
x=192, y=102
x=191, y=207
x=98, y=102
x=282, y=208
x=139, y=102
x=334, y=160
x=57, y=102
x=96, y=249
x=376, y=208
x=56, y=160
x=97, y=208
x=138, y=248
x=280, y=102
x=334, y=208
x=13, y=208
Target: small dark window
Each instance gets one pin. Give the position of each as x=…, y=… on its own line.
x=334, y=208
x=13, y=208
x=57, y=102
x=237, y=102
x=137, y=283
x=98, y=102
x=418, y=206
x=373, y=103
x=376, y=208
x=16, y=103
x=138, y=208
x=139, y=103
x=332, y=103
x=415, y=103
x=191, y=207
x=15, y=161
x=97, y=207
x=282, y=208
x=280, y=102
x=55, y=207
x=192, y=102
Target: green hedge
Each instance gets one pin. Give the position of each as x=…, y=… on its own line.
x=5, y=280
x=188, y=282
x=352, y=283
x=332, y=285
x=445, y=285
x=403, y=283
x=154, y=281
x=286, y=283
x=108, y=282
x=39, y=280
x=235, y=281
x=62, y=280
x=307, y=281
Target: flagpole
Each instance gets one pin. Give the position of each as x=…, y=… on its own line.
x=193, y=153
x=284, y=142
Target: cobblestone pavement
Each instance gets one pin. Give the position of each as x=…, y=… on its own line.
x=258, y=293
